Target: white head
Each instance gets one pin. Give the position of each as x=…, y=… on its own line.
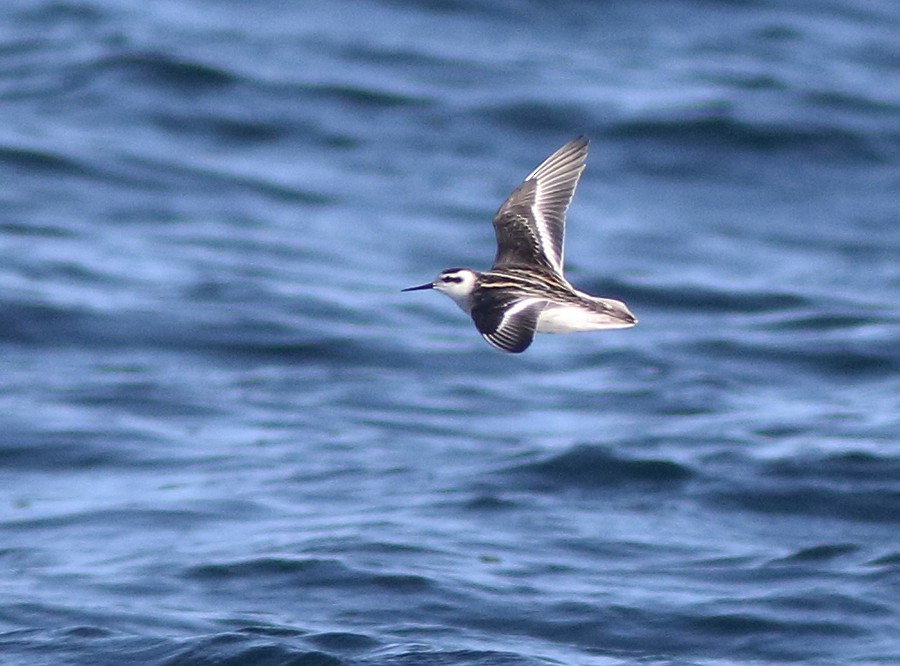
x=457, y=283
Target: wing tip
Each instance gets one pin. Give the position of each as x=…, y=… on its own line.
x=570, y=157
x=582, y=141
x=509, y=349
x=579, y=144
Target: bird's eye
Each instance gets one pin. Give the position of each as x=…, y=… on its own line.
x=452, y=278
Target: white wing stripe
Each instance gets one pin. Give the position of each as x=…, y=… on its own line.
x=513, y=310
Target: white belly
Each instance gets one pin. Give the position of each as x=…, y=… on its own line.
x=571, y=319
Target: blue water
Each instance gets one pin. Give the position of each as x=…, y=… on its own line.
x=227, y=438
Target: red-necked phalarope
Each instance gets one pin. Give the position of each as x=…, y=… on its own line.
x=525, y=291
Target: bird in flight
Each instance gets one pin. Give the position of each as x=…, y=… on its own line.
x=525, y=291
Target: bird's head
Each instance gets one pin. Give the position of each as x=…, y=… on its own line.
x=457, y=283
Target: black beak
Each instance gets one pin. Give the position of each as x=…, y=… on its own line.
x=430, y=285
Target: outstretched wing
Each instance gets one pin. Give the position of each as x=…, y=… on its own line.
x=507, y=322
x=531, y=223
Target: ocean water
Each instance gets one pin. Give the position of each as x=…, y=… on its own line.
x=227, y=438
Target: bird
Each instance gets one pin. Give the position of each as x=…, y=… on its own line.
x=525, y=291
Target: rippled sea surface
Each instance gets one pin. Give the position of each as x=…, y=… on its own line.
x=227, y=438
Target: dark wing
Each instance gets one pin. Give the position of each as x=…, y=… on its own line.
x=531, y=223
x=507, y=322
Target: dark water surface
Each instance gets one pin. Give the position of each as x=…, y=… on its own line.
x=227, y=438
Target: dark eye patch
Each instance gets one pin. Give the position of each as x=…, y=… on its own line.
x=452, y=278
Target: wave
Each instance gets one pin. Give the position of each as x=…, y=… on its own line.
x=700, y=131
x=728, y=132
x=700, y=298
x=596, y=467
x=165, y=70
x=256, y=575
x=852, y=486
x=841, y=358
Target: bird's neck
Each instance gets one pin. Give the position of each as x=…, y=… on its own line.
x=464, y=301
